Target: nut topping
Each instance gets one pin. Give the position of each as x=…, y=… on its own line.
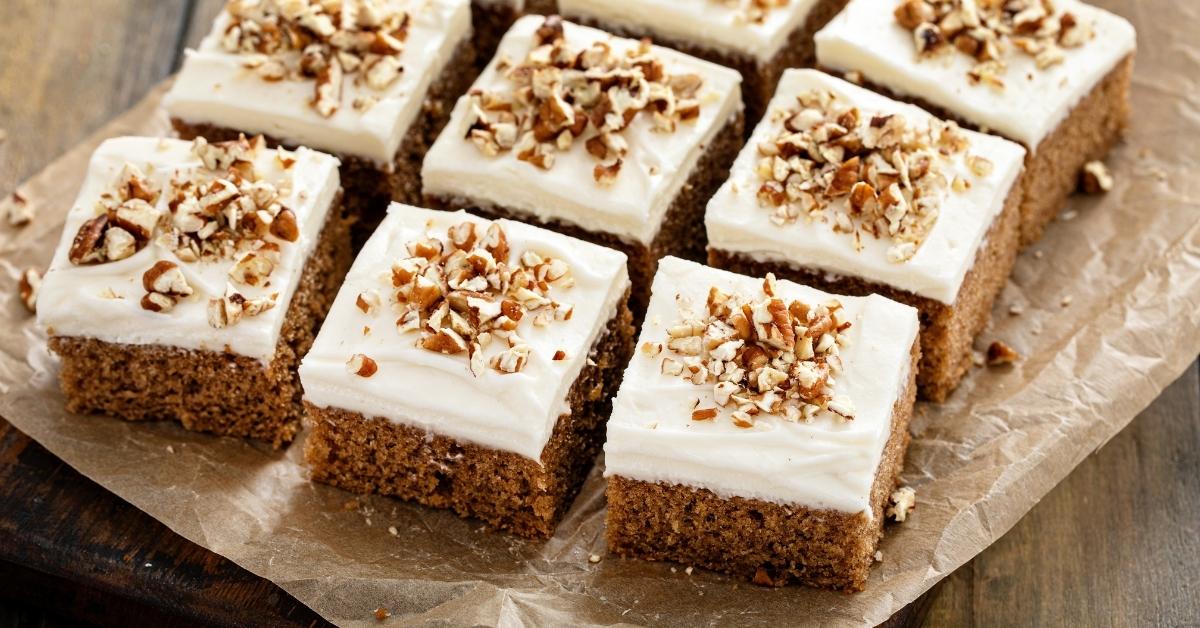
x=891, y=174
x=560, y=94
x=988, y=30
x=753, y=11
x=463, y=291
x=361, y=365
x=760, y=355
x=903, y=501
x=1095, y=178
x=325, y=41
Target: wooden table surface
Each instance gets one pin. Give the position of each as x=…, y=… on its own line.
x=1114, y=545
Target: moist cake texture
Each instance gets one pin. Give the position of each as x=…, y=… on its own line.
x=759, y=39
x=1052, y=77
x=371, y=83
x=623, y=164
x=468, y=364
x=189, y=280
x=852, y=192
x=760, y=427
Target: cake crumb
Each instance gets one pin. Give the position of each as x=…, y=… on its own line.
x=999, y=354
x=688, y=571
x=762, y=578
x=170, y=449
x=393, y=531
x=878, y=556
x=904, y=500
x=1095, y=178
x=1039, y=254
x=350, y=504
x=977, y=358
x=1068, y=215
x=1016, y=309
x=594, y=558
x=382, y=613
x=1066, y=301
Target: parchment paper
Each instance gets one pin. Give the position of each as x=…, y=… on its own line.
x=1129, y=261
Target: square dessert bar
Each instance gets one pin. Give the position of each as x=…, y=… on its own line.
x=606, y=139
x=1053, y=76
x=190, y=279
x=469, y=364
x=759, y=38
x=760, y=428
x=369, y=81
x=492, y=18
x=852, y=192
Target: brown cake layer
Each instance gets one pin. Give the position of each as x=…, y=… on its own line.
x=758, y=78
x=1052, y=169
x=505, y=490
x=764, y=542
x=370, y=186
x=491, y=20
x=681, y=233
x=947, y=330
x=218, y=392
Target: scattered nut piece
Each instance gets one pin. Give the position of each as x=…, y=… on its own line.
x=594, y=558
x=999, y=354
x=904, y=500
x=1095, y=178
x=20, y=212
x=382, y=614
x=28, y=286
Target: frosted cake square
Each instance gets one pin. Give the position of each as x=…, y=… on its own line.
x=760, y=428
x=469, y=364
x=1053, y=76
x=606, y=139
x=852, y=192
x=758, y=38
x=369, y=81
x=190, y=279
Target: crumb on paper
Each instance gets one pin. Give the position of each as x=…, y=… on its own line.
x=594, y=558
x=977, y=358
x=382, y=613
x=350, y=504
x=19, y=211
x=1066, y=301
x=1095, y=178
x=762, y=578
x=1016, y=309
x=28, y=286
x=393, y=531
x=170, y=449
x=999, y=354
x=879, y=556
x=1039, y=254
x=688, y=571
x=904, y=500
x=1068, y=215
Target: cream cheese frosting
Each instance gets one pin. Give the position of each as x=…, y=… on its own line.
x=215, y=87
x=826, y=463
x=737, y=223
x=865, y=37
x=723, y=26
x=655, y=169
x=413, y=386
x=102, y=301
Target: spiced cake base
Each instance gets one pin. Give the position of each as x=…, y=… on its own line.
x=758, y=78
x=217, y=392
x=947, y=330
x=767, y=543
x=490, y=19
x=369, y=186
x=682, y=231
x=1052, y=168
x=505, y=490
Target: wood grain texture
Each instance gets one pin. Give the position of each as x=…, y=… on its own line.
x=1116, y=544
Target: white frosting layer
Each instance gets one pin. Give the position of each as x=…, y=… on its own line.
x=703, y=22
x=866, y=37
x=656, y=167
x=737, y=223
x=214, y=87
x=436, y=392
x=82, y=300
x=828, y=463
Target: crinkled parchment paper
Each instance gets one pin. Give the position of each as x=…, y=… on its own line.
x=1129, y=261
